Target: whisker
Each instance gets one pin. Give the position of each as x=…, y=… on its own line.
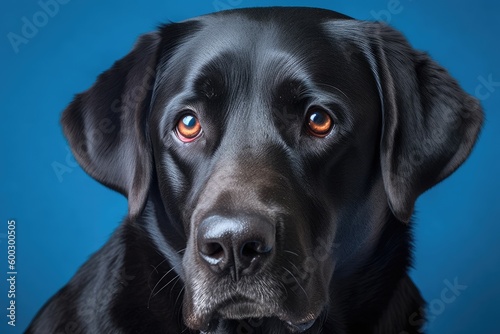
x=293, y=264
x=293, y=253
x=296, y=280
x=184, y=330
x=178, y=296
x=283, y=287
x=159, y=281
x=163, y=287
x=172, y=288
x=155, y=268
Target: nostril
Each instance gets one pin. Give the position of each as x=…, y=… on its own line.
x=212, y=248
x=213, y=252
x=252, y=249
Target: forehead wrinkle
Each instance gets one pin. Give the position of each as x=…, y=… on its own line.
x=237, y=37
x=196, y=49
x=261, y=46
x=278, y=66
x=251, y=42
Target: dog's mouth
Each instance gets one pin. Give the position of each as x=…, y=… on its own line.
x=241, y=307
x=292, y=328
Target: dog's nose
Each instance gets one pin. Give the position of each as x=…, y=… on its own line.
x=239, y=245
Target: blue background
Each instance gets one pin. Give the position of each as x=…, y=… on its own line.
x=62, y=220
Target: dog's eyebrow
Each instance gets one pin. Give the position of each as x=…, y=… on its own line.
x=208, y=86
x=334, y=88
x=290, y=90
x=212, y=74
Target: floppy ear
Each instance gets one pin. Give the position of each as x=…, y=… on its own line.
x=429, y=123
x=106, y=125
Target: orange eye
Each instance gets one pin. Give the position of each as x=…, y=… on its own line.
x=319, y=123
x=188, y=128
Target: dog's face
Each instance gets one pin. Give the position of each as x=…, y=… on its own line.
x=279, y=141
x=264, y=150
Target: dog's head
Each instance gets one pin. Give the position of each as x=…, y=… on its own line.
x=273, y=137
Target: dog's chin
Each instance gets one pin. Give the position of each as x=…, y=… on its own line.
x=239, y=309
x=220, y=326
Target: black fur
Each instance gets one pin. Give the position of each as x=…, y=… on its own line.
x=322, y=221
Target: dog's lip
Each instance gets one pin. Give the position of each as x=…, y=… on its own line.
x=240, y=307
x=300, y=327
x=245, y=308
x=236, y=307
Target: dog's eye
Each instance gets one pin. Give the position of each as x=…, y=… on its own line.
x=188, y=128
x=319, y=123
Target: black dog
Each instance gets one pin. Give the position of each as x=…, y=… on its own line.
x=271, y=159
